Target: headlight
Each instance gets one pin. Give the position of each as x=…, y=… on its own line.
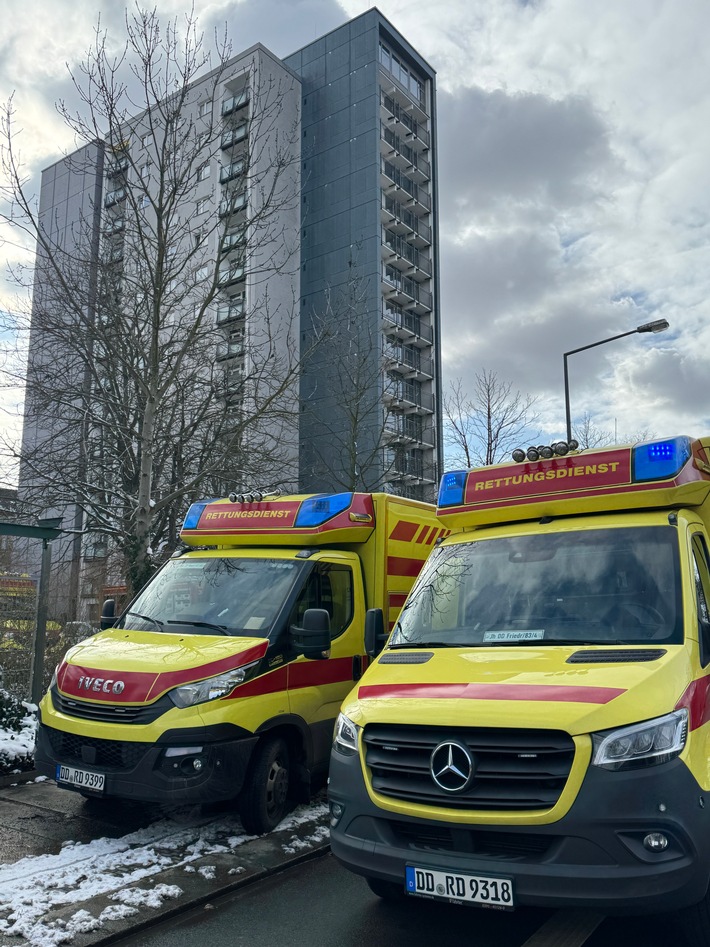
x=643, y=744
x=345, y=736
x=211, y=689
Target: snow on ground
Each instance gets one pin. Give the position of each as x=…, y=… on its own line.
x=17, y=742
x=118, y=868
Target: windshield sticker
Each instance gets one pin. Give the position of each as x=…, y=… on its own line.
x=252, y=624
x=535, y=634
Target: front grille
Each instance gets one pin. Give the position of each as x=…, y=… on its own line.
x=504, y=845
x=110, y=713
x=515, y=769
x=111, y=754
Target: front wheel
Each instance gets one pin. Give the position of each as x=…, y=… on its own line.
x=695, y=922
x=264, y=799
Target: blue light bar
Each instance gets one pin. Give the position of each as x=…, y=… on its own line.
x=451, y=489
x=195, y=512
x=660, y=460
x=319, y=510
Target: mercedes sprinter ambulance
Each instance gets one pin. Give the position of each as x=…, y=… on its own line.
x=537, y=730
x=224, y=676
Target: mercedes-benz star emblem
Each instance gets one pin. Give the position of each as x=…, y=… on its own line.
x=452, y=767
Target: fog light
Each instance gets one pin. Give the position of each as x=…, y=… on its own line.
x=518, y=455
x=336, y=813
x=533, y=453
x=655, y=842
x=197, y=764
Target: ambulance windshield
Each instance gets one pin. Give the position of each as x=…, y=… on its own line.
x=214, y=596
x=604, y=586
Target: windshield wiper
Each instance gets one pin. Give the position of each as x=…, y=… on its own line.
x=155, y=621
x=426, y=644
x=222, y=629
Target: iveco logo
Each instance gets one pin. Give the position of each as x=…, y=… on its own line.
x=452, y=767
x=101, y=685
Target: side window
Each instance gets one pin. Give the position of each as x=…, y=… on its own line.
x=702, y=593
x=330, y=587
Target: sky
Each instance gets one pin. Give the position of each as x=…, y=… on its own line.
x=574, y=149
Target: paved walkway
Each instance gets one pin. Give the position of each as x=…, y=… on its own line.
x=38, y=819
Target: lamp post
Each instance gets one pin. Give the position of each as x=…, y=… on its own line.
x=658, y=326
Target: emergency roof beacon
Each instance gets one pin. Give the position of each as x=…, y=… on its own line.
x=537, y=729
x=223, y=677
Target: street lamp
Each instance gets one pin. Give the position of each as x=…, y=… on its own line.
x=658, y=326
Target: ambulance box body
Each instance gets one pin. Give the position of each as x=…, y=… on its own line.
x=223, y=678
x=537, y=729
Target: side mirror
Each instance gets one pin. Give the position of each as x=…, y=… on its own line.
x=313, y=639
x=375, y=637
x=108, y=613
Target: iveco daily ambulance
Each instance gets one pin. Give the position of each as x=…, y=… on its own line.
x=537, y=730
x=224, y=676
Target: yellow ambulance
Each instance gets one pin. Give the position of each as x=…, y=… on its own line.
x=536, y=731
x=223, y=677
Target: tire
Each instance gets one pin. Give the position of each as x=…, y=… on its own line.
x=694, y=921
x=264, y=799
x=387, y=890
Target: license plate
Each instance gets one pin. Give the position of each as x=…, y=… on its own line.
x=486, y=890
x=81, y=778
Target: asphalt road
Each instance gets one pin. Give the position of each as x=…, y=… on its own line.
x=320, y=904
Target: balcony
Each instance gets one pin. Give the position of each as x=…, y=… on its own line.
x=115, y=197
x=409, y=362
x=403, y=155
x=404, y=256
x=232, y=241
x=400, y=220
x=230, y=136
x=233, y=309
x=231, y=274
x=230, y=348
x=399, y=323
x=393, y=110
x=230, y=205
x=117, y=166
x=231, y=171
x=396, y=183
x=408, y=396
x=408, y=429
x=402, y=465
x=404, y=291
x=234, y=102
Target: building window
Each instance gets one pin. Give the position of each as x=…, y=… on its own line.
x=205, y=108
x=145, y=141
x=143, y=202
x=203, y=273
x=201, y=205
x=203, y=172
x=145, y=171
x=198, y=238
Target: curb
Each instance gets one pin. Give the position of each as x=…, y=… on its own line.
x=13, y=779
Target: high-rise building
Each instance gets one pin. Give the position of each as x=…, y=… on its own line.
x=354, y=254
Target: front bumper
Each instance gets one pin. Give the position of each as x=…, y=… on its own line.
x=593, y=857
x=144, y=771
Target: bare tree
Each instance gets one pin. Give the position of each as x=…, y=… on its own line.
x=481, y=428
x=163, y=335
x=589, y=435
